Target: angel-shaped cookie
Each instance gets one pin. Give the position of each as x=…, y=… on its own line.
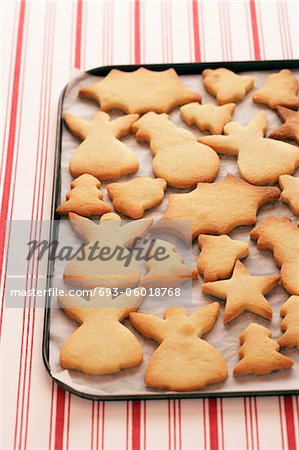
x=101, y=153
x=259, y=354
x=102, y=344
x=178, y=157
x=106, y=260
x=290, y=323
x=183, y=361
x=261, y=160
x=208, y=117
x=281, y=236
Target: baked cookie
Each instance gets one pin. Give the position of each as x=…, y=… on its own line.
x=183, y=361
x=104, y=259
x=290, y=192
x=243, y=292
x=216, y=208
x=178, y=157
x=261, y=160
x=226, y=86
x=168, y=269
x=102, y=344
x=135, y=196
x=140, y=91
x=218, y=255
x=290, y=128
x=290, y=324
x=281, y=236
x=209, y=117
x=85, y=198
x=101, y=153
x=259, y=354
x=280, y=89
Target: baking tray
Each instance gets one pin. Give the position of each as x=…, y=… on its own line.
x=181, y=69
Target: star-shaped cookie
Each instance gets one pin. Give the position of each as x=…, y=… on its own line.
x=216, y=208
x=208, y=117
x=280, y=89
x=243, y=292
x=290, y=128
x=140, y=91
x=290, y=192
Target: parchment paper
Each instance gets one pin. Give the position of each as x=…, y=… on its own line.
x=224, y=338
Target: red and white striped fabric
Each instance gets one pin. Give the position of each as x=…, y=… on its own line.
x=43, y=41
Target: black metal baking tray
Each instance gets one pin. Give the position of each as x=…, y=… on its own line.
x=181, y=69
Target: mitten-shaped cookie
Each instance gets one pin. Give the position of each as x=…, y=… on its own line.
x=280, y=89
x=85, y=198
x=101, y=153
x=290, y=128
x=261, y=160
x=105, y=260
x=101, y=344
x=178, y=157
x=218, y=255
x=290, y=192
x=290, y=324
x=183, y=361
x=209, y=117
x=259, y=354
x=281, y=236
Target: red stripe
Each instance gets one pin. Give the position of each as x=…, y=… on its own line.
x=256, y=423
x=254, y=27
x=290, y=422
x=213, y=423
x=136, y=425
x=103, y=426
x=78, y=35
x=59, y=423
x=197, y=55
x=137, y=31
x=11, y=140
x=281, y=425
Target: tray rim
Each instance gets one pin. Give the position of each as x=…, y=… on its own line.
x=182, y=69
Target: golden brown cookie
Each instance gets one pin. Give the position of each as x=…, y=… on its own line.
x=290, y=192
x=226, y=86
x=183, y=361
x=104, y=259
x=290, y=324
x=101, y=153
x=261, y=160
x=290, y=128
x=140, y=91
x=101, y=344
x=85, y=198
x=243, y=292
x=259, y=354
x=209, y=117
x=280, y=89
x=217, y=208
x=135, y=196
x=178, y=157
x=218, y=255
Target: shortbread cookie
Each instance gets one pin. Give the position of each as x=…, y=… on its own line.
x=183, y=361
x=243, y=292
x=290, y=128
x=101, y=344
x=280, y=89
x=281, y=236
x=226, y=86
x=85, y=198
x=259, y=354
x=217, y=208
x=135, y=196
x=261, y=160
x=140, y=91
x=218, y=256
x=101, y=153
x=165, y=267
x=290, y=192
x=105, y=260
x=210, y=117
x=290, y=323
x=178, y=157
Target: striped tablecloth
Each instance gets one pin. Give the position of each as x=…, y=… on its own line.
x=43, y=42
